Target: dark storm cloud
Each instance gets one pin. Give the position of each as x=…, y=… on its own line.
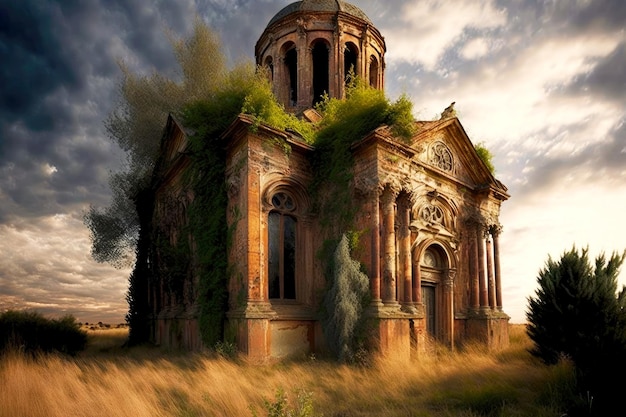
x=600, y=163
x=29, y=43
x=608, y=77
x=249, y=17
x=598, y=14
x=607, y=80
x=59, y=81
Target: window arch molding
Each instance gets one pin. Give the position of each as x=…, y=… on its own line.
x=268, y=64
x=435, y=206
x=446, y=253
x=321, y=52
x=292, y=188
x=373, y=71
x=290, y=62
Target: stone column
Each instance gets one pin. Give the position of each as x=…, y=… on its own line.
x=417, y=282
x=496, y=255
x=279, y=80
x=257, y=288
x=304, y=79
x=473, y=270
x=482, y=286
x=389, y=249
x=404, y=234
x=490, y=283
x=448, y=308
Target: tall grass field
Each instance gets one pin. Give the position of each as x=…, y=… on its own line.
x=110, y=380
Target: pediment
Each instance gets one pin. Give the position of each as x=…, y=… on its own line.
x=173, y=147
x=444, y=148
x=174, y=140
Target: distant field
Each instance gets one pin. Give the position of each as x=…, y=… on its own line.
x=110, y=380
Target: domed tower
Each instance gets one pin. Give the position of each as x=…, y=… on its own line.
x=310, y=47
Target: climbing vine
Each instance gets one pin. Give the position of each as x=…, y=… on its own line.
x=345, y=122
x=243, y=91
x=485, y=155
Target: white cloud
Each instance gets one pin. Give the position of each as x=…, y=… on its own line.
x=430, y=27
x=48, y=169
x=513, y=97
x=475, y=48
x=46, y=265
x=571, y=214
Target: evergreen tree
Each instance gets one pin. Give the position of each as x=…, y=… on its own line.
x=578, y=314
x=344, y=303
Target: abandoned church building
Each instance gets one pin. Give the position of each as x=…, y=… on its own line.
x=426, y=210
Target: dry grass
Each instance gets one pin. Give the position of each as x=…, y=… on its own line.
x=109, y=380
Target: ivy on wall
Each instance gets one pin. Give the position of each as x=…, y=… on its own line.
x=344, y=122
x=245, y=91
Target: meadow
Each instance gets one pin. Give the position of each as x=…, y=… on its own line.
x=110, y=380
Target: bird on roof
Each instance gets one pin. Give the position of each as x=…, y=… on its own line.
x=448, y=112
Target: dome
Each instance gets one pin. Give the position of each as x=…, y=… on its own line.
x=320, y=6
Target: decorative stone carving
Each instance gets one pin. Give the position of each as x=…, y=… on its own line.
x=441, y=157
x=301, y=28
x=432, y=214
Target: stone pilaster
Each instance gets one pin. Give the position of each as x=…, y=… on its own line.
x=389, y=247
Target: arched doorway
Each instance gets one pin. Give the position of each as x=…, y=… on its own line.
x=433, y=268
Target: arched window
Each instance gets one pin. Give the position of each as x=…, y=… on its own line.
x=269, y=65
x=373, y=72
x=282, y=248
x=320, y=70
x=291, y=64
x=350, y=55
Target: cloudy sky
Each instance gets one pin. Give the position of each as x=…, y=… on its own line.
x=541, y=83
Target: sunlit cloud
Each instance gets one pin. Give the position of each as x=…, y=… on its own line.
x=475, y=48
x=46, y=265
x=430, y=27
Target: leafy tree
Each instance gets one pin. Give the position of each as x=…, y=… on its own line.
x=578, y=313
x=121, y=233
x=136, y=126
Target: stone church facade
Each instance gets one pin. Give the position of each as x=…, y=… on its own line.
x=427, y=210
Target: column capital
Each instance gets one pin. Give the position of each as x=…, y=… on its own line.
x=389, y=192
x=367, y=187
x=451, y=275
x=495, y=229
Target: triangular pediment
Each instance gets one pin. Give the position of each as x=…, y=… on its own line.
x=174, y=140
x=173, y=147
x=444, y=147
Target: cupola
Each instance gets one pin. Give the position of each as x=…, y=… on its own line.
x=310, y=47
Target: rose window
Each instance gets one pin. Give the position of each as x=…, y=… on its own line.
x=442, y=157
